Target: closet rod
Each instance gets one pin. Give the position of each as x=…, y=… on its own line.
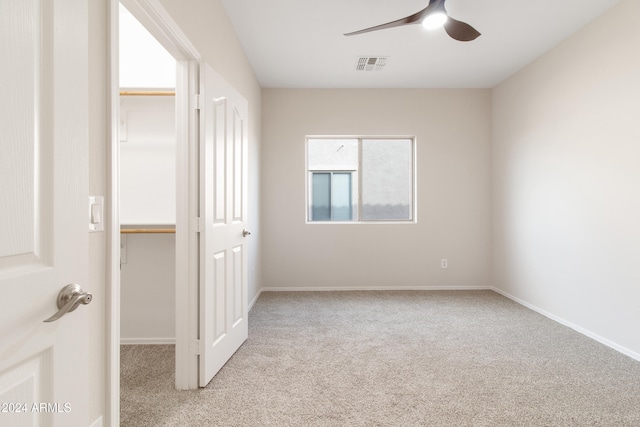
x=147, y=230
x=147, y=93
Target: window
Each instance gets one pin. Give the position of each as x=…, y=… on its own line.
x=360, y=179
x=331, y=200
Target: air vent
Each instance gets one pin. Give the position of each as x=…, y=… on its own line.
x=371, y=63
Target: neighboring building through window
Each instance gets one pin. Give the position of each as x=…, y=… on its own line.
x=331, y=196
x=360, y=179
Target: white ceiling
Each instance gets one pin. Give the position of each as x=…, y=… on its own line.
x=300, y=43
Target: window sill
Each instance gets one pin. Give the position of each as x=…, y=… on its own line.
x=409, y=222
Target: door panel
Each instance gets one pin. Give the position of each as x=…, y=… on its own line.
x=25, y=125
x=237, y=281
x=218, y=305
x=44, y=212
x=223, y=198
x=238, y=165
x=219, y=183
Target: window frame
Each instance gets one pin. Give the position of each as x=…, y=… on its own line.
x=356, y=178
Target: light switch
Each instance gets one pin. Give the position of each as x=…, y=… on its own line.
x=96, y=213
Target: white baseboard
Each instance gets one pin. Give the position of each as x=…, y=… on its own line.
x=253, y=301
x=146, y=341
x=632, y=354
x=371, y=288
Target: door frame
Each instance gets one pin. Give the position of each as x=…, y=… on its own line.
x=159, y=23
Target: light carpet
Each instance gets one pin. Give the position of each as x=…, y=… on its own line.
x=397, y=358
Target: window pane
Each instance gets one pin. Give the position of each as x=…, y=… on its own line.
x=341, y=197
x=387, y=179
x=332, y=154
x=321, y=190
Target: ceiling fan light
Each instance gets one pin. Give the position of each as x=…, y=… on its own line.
x=434, y=20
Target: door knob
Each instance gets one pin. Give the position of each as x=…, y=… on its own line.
x=245, y=232
x=69, y=298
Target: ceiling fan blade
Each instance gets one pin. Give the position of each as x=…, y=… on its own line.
x=412, y=19
x=460, y=30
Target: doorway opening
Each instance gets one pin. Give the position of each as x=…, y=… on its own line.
x=147, y=139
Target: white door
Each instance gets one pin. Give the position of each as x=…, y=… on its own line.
x=44, y=211
x=223, y=213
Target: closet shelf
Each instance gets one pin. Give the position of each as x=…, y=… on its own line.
x=147, y=230
x=147, y=93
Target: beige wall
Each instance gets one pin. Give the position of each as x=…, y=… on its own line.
x=147, y=289
x=566, y=180
x=452, y=128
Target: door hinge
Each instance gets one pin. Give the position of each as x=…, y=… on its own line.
x=197, y=348
x=196, y=102
x=197, y=224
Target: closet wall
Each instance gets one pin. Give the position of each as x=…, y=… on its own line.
x=147, y=187
x=147, y=216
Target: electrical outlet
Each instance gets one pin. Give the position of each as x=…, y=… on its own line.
x=444, y=263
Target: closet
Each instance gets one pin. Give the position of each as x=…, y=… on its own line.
x=147, y=186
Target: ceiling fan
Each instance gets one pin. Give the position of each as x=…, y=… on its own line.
x=431, y=17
